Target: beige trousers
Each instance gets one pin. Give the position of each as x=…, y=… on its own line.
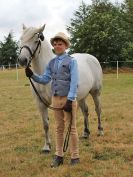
x=62, y=118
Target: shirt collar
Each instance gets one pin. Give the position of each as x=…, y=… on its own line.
x=60, y=57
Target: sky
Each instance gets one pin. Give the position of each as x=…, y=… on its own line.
x=56, y=14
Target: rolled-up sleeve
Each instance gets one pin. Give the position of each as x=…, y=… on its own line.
x=43, y=79
x=74, y=80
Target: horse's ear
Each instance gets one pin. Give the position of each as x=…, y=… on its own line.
x=42, y=28
x=24, y=27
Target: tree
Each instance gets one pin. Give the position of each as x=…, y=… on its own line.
x=77, y=26
x=100, y=33
x=128, y=16
x=8, y=50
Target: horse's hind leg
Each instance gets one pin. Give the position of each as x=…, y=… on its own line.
x=84, y=109
x=96, y=98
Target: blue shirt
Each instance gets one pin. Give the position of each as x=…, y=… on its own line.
x=46, y=77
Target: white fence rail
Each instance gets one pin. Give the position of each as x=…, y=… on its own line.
x=113, y=65
x=118, y=66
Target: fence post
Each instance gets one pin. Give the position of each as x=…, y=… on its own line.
x=9, y=65
x=117, y=69
x=17, y=71
x=3, y=68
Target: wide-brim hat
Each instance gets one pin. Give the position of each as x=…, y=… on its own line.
x=61, y=36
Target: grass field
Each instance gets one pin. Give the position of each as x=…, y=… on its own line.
x=21, y=132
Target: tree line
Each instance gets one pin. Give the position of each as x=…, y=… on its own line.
x=8, y=50
x=103, y=29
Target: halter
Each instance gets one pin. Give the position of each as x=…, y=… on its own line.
x=29, y=50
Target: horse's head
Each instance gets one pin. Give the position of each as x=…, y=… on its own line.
x=29, y=43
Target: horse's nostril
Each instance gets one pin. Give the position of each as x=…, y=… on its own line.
x=25, y=60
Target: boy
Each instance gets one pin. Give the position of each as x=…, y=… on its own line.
x=63, y=72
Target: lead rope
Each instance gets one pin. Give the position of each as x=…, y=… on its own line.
x=66, y=141
x=67, y=135
x=43, y=100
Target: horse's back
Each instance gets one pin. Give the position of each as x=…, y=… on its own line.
x=90, y=73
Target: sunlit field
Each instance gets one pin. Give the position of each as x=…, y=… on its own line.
x=22, y=135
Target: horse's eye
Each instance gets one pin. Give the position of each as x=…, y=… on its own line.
x=36, y=41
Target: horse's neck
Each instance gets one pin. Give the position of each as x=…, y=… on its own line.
x=41, y=60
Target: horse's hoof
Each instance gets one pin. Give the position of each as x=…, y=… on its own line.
x=46, y=149
x=100, y=133
x=85, y=135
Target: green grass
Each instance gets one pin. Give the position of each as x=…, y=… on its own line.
x=22, y=135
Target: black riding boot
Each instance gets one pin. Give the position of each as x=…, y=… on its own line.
x=75, y=161
x=57, y=161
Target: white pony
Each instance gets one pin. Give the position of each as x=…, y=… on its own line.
x=39, y=51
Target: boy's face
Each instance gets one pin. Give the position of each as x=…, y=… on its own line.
x=59, y=47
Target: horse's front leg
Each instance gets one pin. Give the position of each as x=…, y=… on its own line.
x=44, y=113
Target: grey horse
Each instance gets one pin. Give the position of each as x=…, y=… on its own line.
x=90, y=77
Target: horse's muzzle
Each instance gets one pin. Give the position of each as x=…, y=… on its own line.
x=23, y=61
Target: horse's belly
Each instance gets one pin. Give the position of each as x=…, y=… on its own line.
x=84, y=85
x=90, y=74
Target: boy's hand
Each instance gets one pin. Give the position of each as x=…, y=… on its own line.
x=68, y=106
x=28, y=72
